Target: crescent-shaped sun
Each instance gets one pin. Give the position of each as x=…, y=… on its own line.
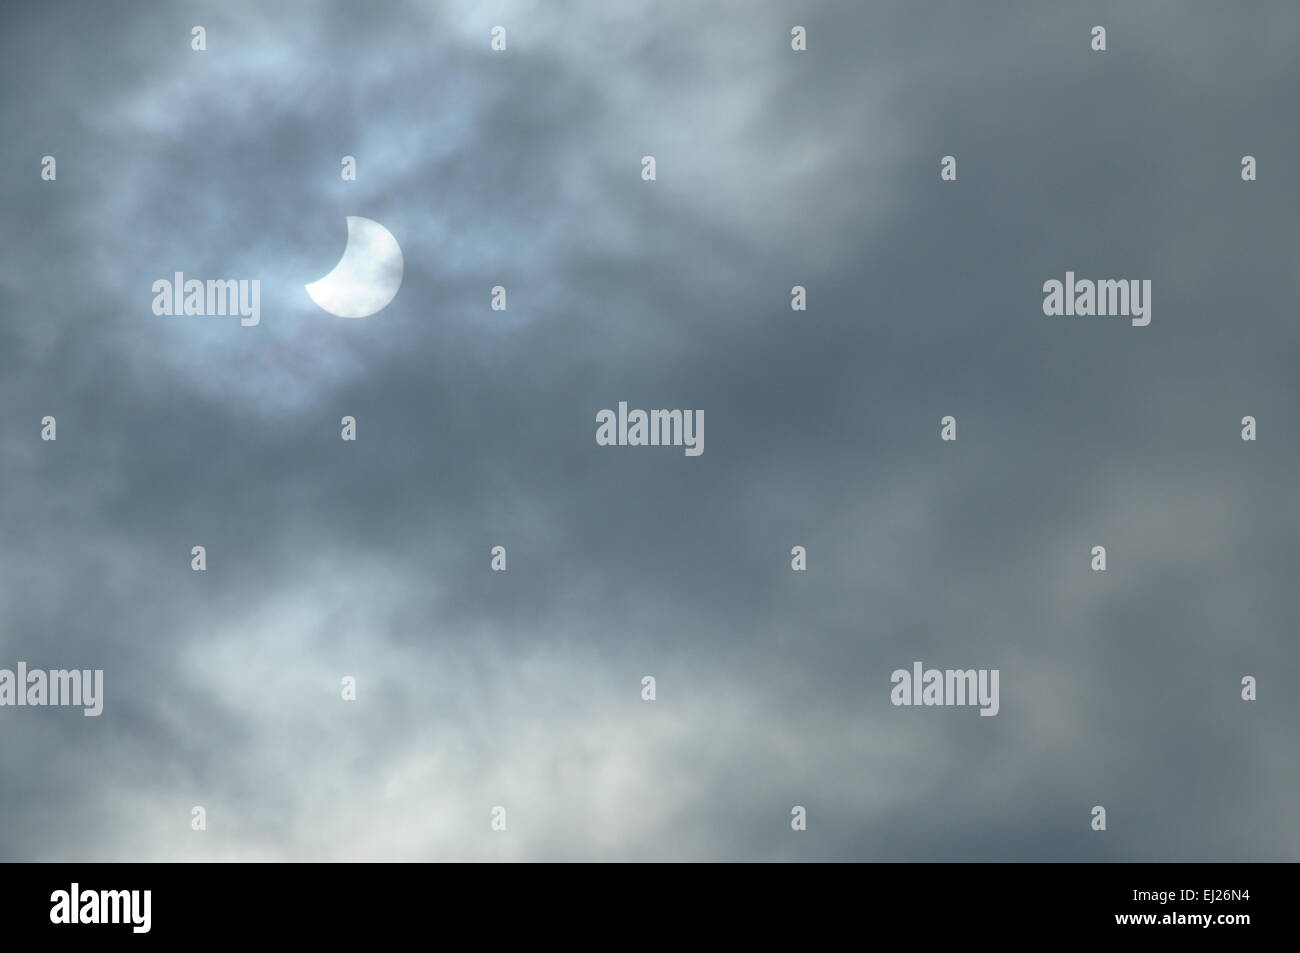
x=368, y=275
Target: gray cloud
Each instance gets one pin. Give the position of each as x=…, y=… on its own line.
x=476, y=429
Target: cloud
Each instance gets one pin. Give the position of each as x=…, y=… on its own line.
x=476, y=428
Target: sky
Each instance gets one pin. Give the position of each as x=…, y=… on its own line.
x=522, y=689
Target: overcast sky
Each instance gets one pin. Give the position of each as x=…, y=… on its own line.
x=476, y=428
